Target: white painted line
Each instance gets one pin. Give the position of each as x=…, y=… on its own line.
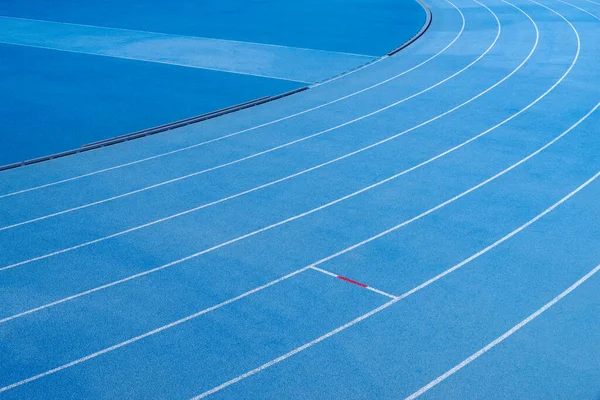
x=499, y=241
x=154, y=61
x=324, y=271
x=171, y=35
x=581, y=9
x=239, y=160
x=248, y=129
x=502, y=338
x=381, y=292
x=293, y=352
x=150, y=333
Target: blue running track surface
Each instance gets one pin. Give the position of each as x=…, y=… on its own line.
x=425, y=226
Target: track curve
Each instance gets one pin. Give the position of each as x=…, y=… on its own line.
x=458, y=178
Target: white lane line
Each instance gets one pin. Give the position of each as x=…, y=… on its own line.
x=323, y=271
x=293, y=352
x=502, y=338
x=381, y=292
x=593, y=2
x=367, y=287
x=288, y=177
x=254, y=127
x=499, y=241
x=252, y=156
x=150, y=333
x=404, y=295
x=581, y=9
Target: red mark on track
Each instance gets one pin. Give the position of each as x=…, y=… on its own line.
x=351, y=281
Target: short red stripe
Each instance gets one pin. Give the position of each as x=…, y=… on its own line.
x=351, y=281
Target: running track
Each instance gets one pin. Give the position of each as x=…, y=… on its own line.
x=457, y=179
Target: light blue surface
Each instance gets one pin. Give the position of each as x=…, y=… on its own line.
x=277, y=62
x=352, y=26
x=454, y=198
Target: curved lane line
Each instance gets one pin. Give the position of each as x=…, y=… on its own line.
x=254, y=127
x=505, y=336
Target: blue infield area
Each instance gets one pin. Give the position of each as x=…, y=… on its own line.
x=56, y=101
x=74, y=73
x=425, y=226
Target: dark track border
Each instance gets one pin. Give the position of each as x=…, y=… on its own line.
x=428, y=19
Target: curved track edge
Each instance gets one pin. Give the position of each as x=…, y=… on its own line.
x=426, y=25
